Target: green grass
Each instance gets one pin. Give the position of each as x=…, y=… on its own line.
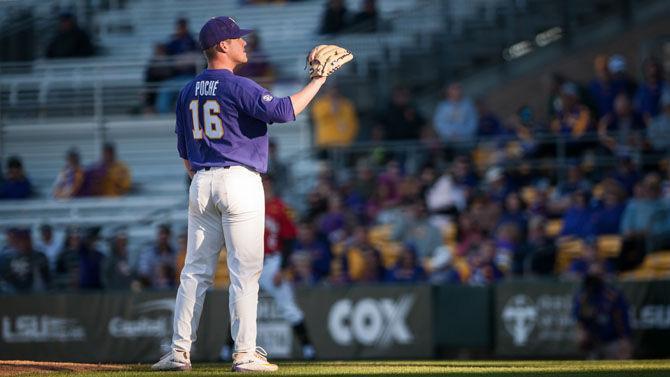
x=425, y=368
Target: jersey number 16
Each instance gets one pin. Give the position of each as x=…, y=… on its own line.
x=213, y=125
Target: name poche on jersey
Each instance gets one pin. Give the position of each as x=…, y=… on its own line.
x=206, y=88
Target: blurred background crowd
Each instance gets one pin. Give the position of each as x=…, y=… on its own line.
x=462, y=192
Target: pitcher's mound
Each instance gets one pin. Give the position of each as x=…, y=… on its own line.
x=13, y=367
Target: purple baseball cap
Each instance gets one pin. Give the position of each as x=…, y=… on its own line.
x=218, y=29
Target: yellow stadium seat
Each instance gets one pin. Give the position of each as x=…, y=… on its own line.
x=608, y=246
x=567, y=251
x=553, y=228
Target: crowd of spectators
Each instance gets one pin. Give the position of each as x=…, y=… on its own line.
x=108, y=177
x=87, y=259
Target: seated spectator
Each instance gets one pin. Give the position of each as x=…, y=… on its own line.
x=373, y=270
x=488, y=124
x=335, y=119
x=339, y=271
x=455, y=118
x=623, y=129
x=27, y=270
x=361, y=257
x=508, y=252
x=601, y=88
x=485, y=212
x=648, y=95
x=91, y=261
x=334, y=18
x=539, y=252
x=401, y=120
x=16, y=185
x=117, y=272
x=157, y=260
x=580, y=266
x=414, y=227
x=181, y=41
x=332, y=223
x=315, y=248
x=70, y=40
x=68, y=263
x=158, y=70
x=498, y=185
x=108, y=177
x=577, y=217
x=366, y=20
x=407, y=268
x=514, y=212
x=658, y=133
x=485, y=270
x=636, y=221
x=573, y=120
x=71, y=177
x=258, y=66
x=184, y=53
x=562, y=194
x=49, y=244
x=607, y=217
x=446, y=196
x=603, y=326
x=626, y=173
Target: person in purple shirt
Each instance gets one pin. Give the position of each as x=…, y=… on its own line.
x=222, y=136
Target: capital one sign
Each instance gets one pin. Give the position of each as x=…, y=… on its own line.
x=371, y=322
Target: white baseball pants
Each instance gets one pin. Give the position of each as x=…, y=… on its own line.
x=223, y=204
x=283, y=293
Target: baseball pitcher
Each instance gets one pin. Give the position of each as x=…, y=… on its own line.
x=221, y=127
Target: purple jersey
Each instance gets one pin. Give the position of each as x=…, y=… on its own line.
x=222, y=121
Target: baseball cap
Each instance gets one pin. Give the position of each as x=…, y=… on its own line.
x=218, y=29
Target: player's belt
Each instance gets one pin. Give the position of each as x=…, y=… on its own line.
x=210, y=167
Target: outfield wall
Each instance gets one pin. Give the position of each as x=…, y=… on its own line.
x=519, y=319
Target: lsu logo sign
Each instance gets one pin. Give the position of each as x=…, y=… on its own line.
x=371, y=322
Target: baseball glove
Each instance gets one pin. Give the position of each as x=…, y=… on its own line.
x=323, y=60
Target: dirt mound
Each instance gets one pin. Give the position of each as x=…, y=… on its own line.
x=14, y=367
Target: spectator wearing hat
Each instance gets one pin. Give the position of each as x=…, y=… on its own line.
x=27, y=269
x=658, y=133
x=648, y=95
x=70, y=40
x=16, y=185
x=71, y=177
